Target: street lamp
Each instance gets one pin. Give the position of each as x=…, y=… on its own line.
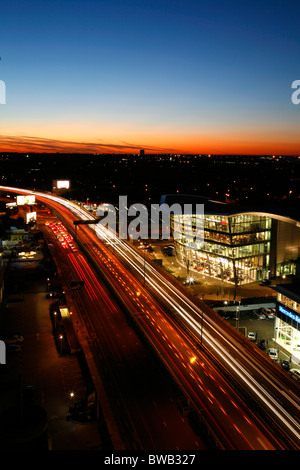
x=238, y=315
x=61, y=339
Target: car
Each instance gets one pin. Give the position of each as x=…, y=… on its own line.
x=259, y=314
x=53, y=295
x=266, y=311
x=265, y=282
x=285, y=365
x=252, y=336
x=272, y=353
x=295, y=373
x=169, y=248
x=262, y=344
x=224, y=315
x=13, y=339
x=13, y=348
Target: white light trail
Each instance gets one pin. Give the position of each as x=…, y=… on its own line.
x=175, y=301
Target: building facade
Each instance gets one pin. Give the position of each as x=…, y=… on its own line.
x=287, y=321
x=237, y=247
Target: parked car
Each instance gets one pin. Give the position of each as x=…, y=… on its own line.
x=252, y=336
x=285, y=365
x=262, y=344
x=169, y=250
x=272, y=353
x=13, y=348
x=266, y=311
x=224, y=314
x=259, y=314
x=265, y=282
x=13, y=339
x=295, y=373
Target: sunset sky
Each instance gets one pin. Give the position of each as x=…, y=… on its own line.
x=165, y=76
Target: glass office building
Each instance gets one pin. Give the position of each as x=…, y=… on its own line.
x=235, y=248
x=239, y=247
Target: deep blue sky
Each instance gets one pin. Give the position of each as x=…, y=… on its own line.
x=181, y=75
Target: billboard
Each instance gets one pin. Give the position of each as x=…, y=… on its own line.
x=58, y=186
x=30, y=217
x=25, y=200
x=63, y=184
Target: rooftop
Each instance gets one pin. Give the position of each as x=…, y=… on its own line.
x=211, y=206
x=292, y=291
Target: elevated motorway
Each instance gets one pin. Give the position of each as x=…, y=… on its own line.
x=244, y=399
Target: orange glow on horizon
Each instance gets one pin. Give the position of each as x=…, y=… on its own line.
x=176, y=144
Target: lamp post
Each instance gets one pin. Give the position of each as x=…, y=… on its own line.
x=61, y=340
x=238, y=315
x=71, y=395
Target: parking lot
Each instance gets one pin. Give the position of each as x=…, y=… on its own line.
x=249, y=322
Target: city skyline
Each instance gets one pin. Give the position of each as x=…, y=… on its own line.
x=166, y=77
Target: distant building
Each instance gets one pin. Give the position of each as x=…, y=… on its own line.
x=142, y=153
x=239, y=246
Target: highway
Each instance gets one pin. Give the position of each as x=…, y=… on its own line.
x=242, y=397
x=141, y=400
